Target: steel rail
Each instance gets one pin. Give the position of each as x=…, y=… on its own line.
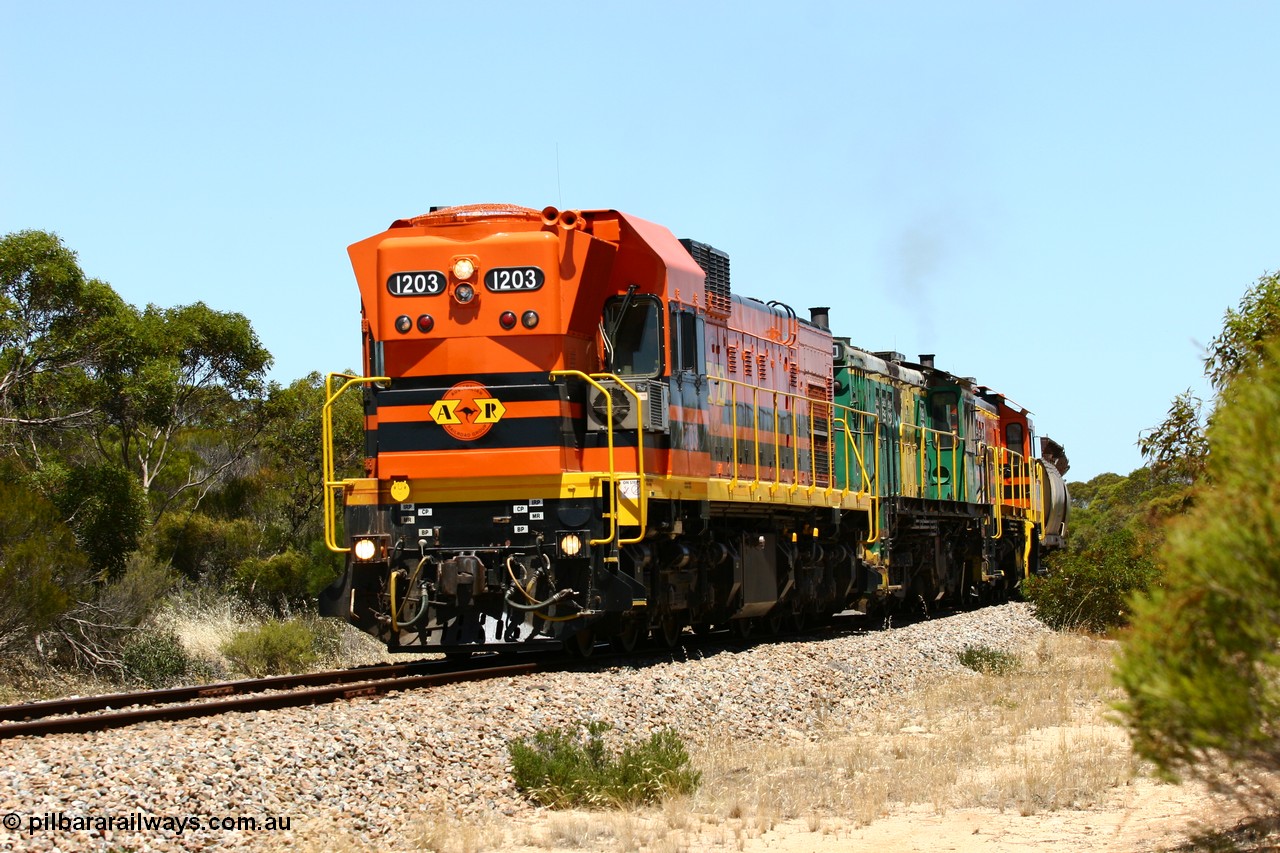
x=104, y=701
x=257, y=701
x=36, y=718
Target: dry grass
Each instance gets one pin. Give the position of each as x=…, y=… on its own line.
x=205, y=626
x=1029, y=740
x=25, y=679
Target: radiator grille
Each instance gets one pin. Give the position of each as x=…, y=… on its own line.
x=715, y=264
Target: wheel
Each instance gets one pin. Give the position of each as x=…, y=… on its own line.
x=742, y=628
x=457, y=657
x=625, y=640
x=702, y=629
x=798, y=622
x=581, y=644
x=667, y=634
x=773, y=623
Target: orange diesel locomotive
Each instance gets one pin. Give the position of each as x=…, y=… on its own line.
x=575, y=431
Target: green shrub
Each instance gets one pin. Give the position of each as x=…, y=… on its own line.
x=282, y=579
x=43, y=575
x=106, y=508
x=988, y=660
x=281, y=646
x=563, y=769
x=205, y=548
x=1201, y=668
x=1091, y=589
x=157, y=659
x=129, y=599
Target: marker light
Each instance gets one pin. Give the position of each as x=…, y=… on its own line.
x=463, y=269
x=570, y=545
x=425, y=323
x=403, y=324
x=507, y=319
x=364, y=549
x=464, y=293
x=529, y=319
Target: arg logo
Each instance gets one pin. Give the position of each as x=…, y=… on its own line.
x=467, y=411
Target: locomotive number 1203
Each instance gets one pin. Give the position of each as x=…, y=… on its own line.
x=419, y=283
x=504, y=279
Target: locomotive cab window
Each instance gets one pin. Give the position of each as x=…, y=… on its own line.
x=690, y=355
x=946, y=417
x=1013, y=437
x=633, y=335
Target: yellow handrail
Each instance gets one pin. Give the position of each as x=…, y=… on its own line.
x=1037, y=491
x=733, y=387
x=643, y=493
x=1025, y=484
x=794, y=481
x=614, y=531
x=902, y=458
x=755, y=433
x=871, y=487
x=865, y=479
x=959, y=476
x=1028, y=526
x=920, y=446
x=875, y=497
x=331, y=484
x=993, y=486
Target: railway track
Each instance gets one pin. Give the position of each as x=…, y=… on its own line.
x=115, y=710
x=258, y=694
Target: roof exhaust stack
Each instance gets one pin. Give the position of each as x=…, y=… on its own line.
x=820, y=317
x=926, y=360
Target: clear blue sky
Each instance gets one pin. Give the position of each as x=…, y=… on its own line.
x=1058, y=199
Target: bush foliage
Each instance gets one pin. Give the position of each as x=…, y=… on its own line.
x=281, y=580
x=1202, y=667
x=574, y=768
x=42, y=574
x=157, y=659
x=1091, y=589
x=282, y=646
x=988, y=660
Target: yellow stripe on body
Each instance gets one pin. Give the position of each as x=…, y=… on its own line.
x=368, y=492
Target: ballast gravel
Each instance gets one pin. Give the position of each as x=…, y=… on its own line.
x=365, y=769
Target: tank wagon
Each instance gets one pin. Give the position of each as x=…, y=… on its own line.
x=576, y=430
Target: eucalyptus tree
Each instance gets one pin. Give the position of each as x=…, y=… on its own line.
x=52, y=328
x=178, y=398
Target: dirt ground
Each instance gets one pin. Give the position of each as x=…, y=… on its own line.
x=1143, y=815
x=1076, y=785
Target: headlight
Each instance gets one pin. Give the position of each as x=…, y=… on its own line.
x=463, y=269
x=464, y=293
x=570, y=545
x=365, y=549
